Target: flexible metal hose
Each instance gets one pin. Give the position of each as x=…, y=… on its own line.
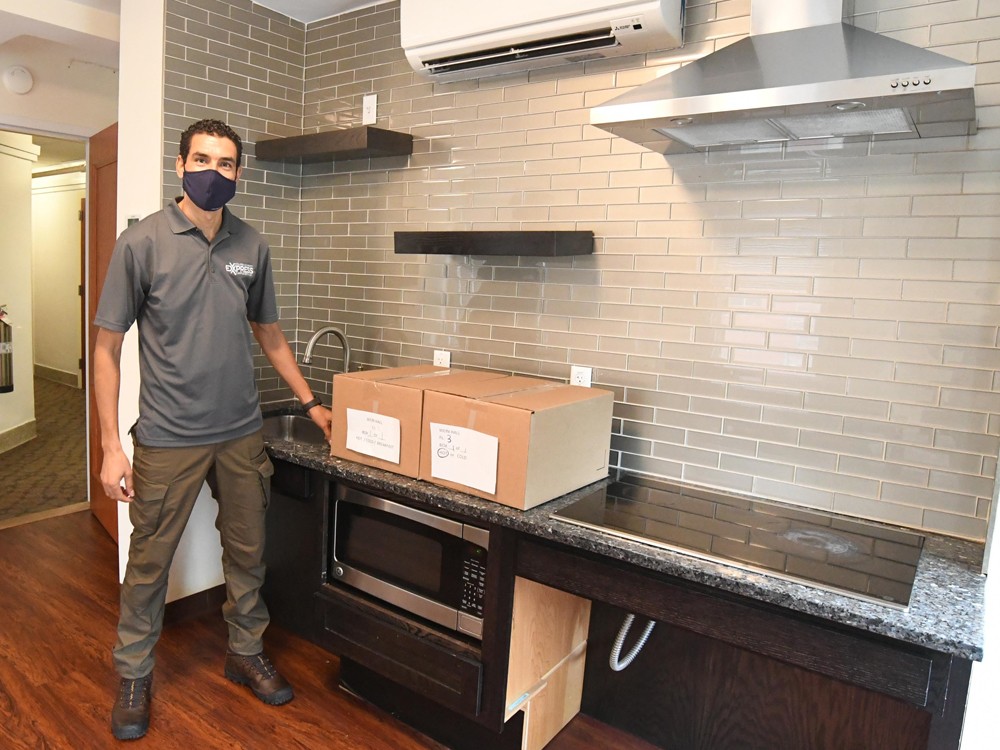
x=616, y=649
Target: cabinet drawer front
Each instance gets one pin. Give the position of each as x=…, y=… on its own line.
x=451, y=679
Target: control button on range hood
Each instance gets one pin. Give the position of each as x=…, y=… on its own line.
x=818, y=80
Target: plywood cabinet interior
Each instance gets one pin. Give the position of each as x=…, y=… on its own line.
x=548, y=644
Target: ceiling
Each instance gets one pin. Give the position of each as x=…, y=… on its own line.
x=89, y=27
x=58, y=151
x=314, y=10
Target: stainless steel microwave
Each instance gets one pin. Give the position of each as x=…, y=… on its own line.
x=429, y=565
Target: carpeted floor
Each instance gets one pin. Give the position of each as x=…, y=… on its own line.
x=50, y=471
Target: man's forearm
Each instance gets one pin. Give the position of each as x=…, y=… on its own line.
x=107, y=383
x=275, y=347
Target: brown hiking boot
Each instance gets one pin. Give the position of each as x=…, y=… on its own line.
x=260, y=676
x=130, y=716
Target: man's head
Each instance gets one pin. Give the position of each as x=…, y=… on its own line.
x=209, y=164
x=216, y=128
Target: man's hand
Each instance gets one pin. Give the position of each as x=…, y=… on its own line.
x=114, y=471
x=275, y=347
x=323, y=419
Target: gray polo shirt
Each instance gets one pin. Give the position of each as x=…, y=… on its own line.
x=192, y=301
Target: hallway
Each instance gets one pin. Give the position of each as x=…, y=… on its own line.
x=49, y=472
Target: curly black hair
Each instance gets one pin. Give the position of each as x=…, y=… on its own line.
x=212, y=127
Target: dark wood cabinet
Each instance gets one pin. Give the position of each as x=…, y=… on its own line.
x=688, y=690
x=294, y=547
x=722, y=672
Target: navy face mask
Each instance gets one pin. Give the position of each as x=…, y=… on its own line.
x=208, y=189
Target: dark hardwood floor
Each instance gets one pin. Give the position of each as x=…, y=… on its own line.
x=58, y=610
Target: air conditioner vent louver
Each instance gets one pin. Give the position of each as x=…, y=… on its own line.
x=560, y=45
x=445, y=41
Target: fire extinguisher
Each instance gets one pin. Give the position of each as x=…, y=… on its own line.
x=6, y=353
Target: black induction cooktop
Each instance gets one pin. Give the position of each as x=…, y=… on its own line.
x=852, y=557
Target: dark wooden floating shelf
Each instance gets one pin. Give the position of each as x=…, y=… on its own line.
x=352, y=143
x=541, y=243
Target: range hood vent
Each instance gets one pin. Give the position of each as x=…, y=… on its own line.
x=801, y=75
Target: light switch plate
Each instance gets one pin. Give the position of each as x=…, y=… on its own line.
x=442, y=359
x=580, y=376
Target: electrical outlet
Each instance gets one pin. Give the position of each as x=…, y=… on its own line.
x=580, y=376
x=442, y=359
x=369, y=103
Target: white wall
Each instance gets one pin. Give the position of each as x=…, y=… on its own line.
x=56, y=277
x=979, y=730
x=69, y=97
x=17, y=156
x=198, y=563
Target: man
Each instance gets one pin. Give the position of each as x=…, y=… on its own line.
x=197, y=280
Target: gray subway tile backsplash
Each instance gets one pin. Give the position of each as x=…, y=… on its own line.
x=817, y=325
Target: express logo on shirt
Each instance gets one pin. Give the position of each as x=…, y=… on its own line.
x=239, y=269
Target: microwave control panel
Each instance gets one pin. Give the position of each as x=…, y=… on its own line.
x=473, y=585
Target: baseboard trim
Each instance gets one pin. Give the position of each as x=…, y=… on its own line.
x=58, y=376
x=19, y=435
x=41, y=515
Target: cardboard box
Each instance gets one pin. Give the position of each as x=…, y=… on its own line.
x=377, y=413
x=519, y=442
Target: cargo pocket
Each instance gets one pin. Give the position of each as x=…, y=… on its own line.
x=265, y=469
x=147, y=505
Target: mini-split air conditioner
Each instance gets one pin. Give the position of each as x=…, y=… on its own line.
x=449, y=40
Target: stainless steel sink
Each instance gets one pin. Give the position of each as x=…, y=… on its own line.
x=293, y=428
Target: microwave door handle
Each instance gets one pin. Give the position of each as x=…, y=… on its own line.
x=427, y=519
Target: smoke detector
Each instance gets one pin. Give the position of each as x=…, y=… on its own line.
x=18, y=79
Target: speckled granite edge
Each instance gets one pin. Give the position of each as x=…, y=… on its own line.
x=946, y=609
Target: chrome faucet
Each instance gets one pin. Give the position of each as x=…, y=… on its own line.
x=307, y=356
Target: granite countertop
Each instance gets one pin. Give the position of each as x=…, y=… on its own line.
x=946, y=608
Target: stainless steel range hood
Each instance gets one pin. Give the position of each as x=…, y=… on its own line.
x=801, y=75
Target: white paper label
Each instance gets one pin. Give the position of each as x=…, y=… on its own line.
x=464, y=456
x=375, y=435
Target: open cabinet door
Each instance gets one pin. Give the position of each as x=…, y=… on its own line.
x=101, y=223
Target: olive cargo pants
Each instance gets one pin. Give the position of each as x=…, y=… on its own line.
x=167, y=482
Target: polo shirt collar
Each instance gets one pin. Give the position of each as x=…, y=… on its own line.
x=179, y=223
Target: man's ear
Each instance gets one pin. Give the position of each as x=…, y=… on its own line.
x=179, y=165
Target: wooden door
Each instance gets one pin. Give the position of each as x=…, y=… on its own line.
x=102, y=225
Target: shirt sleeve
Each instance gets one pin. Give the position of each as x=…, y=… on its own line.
x=262, y=307
x=125, y=288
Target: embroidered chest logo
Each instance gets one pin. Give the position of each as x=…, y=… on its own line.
x=239, y=269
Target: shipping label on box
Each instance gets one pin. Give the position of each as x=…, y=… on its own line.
x=375, y=435
x=464, y=456
x=377, y=414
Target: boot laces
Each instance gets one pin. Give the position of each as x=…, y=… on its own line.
x=263, y=666
x=132, y=692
